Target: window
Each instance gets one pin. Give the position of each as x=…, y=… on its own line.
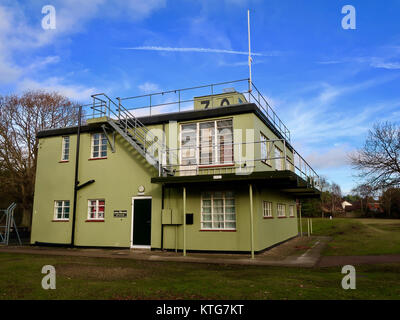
x=278, y=159
x=207, y=143
x=96, y=209
x=61, y=210
x=65, y=149
x=267, y=209
x=218, y=211
x=281, y=210
x=291, y=211
x=265, y=152
x=225, y=141
x=99, y=145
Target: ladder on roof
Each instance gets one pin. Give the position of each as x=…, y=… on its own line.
x=7, y=217
x=133, y=131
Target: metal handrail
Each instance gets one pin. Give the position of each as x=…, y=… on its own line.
x=303, y=168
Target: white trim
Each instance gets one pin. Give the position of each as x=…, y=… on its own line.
x=63, y=142
x=140, y=247
x=134, y=246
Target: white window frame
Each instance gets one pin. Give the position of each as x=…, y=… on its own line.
x=102, y=137
x=279, y=161
x=267, y=209
x=224, y=213
x=97, y=217
x=216, y=161
x=64, y=155
x=63, y=206
x=279, y=207
x=291, y=211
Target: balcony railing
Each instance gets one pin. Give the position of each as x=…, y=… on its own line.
x=183, y=100
x=237, y=163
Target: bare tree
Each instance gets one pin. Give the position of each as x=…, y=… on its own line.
x=379, y=160
x=21, y=117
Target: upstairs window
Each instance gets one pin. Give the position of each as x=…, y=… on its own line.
x=99, y=146
x=65, y=149
x=265, y=152
x=207, y=143
x=279, y=161
x=61, y=209
x=96, y=209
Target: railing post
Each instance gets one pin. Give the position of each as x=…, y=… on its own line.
x=150, y=105
x=179, y=99
x=119, y=108
x=284, y=153
x=212, y=96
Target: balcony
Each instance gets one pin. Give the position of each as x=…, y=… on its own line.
x=205, y=158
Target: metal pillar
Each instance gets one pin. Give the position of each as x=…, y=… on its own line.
x=184, y=221
x=251, y=221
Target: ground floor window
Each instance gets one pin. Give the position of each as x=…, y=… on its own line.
x=281, y=208
x=291, y=211
x=96, y=209
x=218, y=211
x=61, y=210
x=267, y=209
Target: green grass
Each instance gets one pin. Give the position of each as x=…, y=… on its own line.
x=99, y=278
x=358, y=236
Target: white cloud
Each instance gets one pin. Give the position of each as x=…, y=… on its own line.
x=149, y=87
x=75, y=92
x=334, y=157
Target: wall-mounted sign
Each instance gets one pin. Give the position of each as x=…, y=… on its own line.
x=120, y=213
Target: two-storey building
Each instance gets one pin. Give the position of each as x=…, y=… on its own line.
x=216, y=172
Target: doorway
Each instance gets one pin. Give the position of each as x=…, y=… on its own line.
x=141, y=223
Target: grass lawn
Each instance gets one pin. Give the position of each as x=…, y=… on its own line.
x=99, y=278
x=358, y=236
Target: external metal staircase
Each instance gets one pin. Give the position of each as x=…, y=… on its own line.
x=133, y=131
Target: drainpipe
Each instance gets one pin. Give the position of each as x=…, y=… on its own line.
x=251, y=221
x=162, y=208
x=184, y=221
x=76, y=182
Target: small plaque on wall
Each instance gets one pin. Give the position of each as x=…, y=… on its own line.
x=120, y=213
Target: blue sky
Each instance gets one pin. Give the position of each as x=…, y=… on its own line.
x=328, y=85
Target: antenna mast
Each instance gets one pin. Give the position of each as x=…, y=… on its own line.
x=250, y=59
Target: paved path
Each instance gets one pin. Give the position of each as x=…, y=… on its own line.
x=309, y=259
x=332, y=261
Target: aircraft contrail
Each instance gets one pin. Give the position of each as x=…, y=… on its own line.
x=206, y=50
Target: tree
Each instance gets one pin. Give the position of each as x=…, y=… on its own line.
x=21, y=118
x=379, y=160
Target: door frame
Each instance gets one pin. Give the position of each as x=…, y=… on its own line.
x=133, y=219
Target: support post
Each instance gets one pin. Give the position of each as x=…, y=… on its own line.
x=308, y=227
x=184, y=221
x=251, y=221
x=311, y=224
x=301, y=222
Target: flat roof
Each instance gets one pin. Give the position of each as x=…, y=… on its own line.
x=176, y=116
x=286, y=181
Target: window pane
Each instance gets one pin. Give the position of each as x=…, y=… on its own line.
x=207, y=136
x=207, y=225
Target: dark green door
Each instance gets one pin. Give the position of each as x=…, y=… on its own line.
x=141, y=222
